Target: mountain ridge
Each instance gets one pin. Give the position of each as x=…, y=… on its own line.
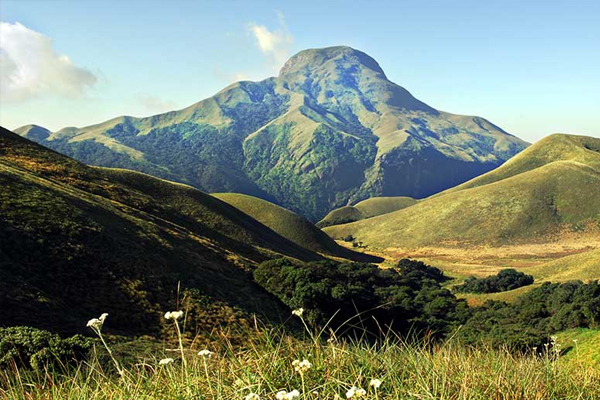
x=329, y=131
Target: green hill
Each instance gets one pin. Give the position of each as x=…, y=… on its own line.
x=330, y=130
x=76, y=241
x=365, y=209
x=549, y=190
x=291, y=226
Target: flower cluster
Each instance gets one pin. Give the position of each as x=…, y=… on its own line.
x=283, y=395
x=96, y=323
x=298, y=312
x=301, y=366
x=174, y=315
x=165, y=361
x=355, y=393
x=205, y=353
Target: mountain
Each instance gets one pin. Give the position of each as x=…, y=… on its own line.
x=291, y=226
x=329, y=131
x=547, y=192
x=76, y=241
x=365, y=209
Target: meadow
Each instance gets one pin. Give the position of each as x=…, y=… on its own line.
x=272, y=363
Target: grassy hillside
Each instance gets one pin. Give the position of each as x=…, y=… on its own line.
x=291, y=226
x=330, y=130
x=538, y=204
x=382, y=205
x=584, y=266
x=76, y=241
x=365, y=209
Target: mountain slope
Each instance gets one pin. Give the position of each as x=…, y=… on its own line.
x=549, y=190
x=329, y=131
x=76, y=241
x=365, y=209
x=291, y=226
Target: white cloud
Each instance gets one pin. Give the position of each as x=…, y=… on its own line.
x=274, y=44
x=30, y=67
x=155, y=105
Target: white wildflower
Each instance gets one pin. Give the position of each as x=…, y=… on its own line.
x=375, y=383
x=205, y=353
x=301, y=366
x=96, y=323
x=298, y=312
x=173, y=314
x=165, y=361
x=252, y=396
x=283, y=395
x=355, y=392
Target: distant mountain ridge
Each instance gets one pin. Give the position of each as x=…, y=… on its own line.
x=330, y=130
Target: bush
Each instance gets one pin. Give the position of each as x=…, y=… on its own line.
x=35, y=348
x=507, y=279
x=402, y=298
x=550, y=308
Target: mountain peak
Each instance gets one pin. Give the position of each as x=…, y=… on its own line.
x=309, y=60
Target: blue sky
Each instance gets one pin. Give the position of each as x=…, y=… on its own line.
x=531, y=67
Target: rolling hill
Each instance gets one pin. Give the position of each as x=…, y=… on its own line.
x=365, y=209
x=76, y=241
x=329, y=131
x=549, y=190
x=291, y=226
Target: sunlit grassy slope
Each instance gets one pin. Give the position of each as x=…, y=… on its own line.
x=366, y=209
x=584, y=266
x=549, y=190
x=291, y=226
x=75, y=240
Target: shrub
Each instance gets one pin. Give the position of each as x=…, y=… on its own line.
x=402, y=298
x=35, y=348
x=507, y=279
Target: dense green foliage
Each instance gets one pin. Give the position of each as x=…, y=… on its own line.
x=506, y=279
x=35, y=348
x=550, y=308
x=402, y=298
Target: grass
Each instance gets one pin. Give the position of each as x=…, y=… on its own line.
x=382, y=205
x=291, y=226
x=365, y=209
x=263, y=365
x=547, y=194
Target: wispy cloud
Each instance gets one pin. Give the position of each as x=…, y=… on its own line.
x=154, y=104
x=275, y=44
x=31, y=67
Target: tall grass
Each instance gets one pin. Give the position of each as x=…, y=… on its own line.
x=263, y=366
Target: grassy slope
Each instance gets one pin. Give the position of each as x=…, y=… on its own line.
x=76, y=241
x=291, y=226
x=382, y=205
x=366, y=209
x=584, y=266
x=533, y=205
